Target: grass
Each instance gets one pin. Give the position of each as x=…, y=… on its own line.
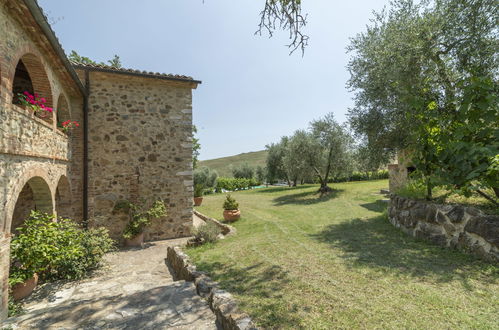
x=417, y=190
x=300, y=260
x=223, y=165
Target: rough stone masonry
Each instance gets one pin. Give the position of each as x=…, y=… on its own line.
x=453, y=226
x=133, y=141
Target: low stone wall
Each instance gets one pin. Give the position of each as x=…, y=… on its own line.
x=226, y=229
x=221, y=302
x=453, y=226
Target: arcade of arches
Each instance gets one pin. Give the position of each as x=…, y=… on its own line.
x=134, y=137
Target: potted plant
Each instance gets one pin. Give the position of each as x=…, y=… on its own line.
x=22, y=282
x=35, y=103
x=68, y=125
x=231, y=209
x=198, y=194
x=139, y=220
x=31, y=250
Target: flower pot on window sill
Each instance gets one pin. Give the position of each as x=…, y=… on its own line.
x=136, y=241
x=23, y=290
x=231, y=215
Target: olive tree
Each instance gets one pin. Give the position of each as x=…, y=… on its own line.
x=328, y=150
x=295, y=165
x=425, y=79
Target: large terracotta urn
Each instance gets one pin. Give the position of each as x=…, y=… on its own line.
x=198, y=201
x=231, y=215
x=135, y=241
x=23, y=290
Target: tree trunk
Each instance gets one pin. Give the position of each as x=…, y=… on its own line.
x=324, y=188
x=428, y=189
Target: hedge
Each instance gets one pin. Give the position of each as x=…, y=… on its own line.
x=232, y=184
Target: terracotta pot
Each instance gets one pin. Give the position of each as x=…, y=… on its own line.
x=232, y=215
x=23, y=290
x=198, y=201
x=135, y=241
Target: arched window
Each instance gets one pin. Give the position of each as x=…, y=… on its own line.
x=22, y=82
x=62, y=112
x=30, y=77
x=36, y=196
x=63, y=198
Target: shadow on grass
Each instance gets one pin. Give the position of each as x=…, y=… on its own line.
x=276, y=189
x=377, y=206
x=262, y=287
x=375, y=243
x=306, y=198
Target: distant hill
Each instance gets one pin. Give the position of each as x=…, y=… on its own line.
x=222, y=165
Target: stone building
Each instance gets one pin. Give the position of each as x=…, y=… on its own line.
x=133, y=141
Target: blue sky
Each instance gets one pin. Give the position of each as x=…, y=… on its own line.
x=253, y=92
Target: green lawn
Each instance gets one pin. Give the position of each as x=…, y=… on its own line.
x=299, y=260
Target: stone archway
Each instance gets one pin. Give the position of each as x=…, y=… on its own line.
x=35, y=195
x=63, y=198
x=30, y=76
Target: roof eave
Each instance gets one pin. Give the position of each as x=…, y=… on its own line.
x=138, y=74
x=37, y=14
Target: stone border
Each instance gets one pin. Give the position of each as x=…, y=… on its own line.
x=453, y=226
x=226, y=229
x=221, y=302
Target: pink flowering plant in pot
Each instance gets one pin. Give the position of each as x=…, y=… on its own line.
x=68, y=125
x=35, y=103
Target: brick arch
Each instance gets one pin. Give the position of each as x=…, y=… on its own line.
x=41, y=187
x=29, y=74
x=35, y=195
x=62, y=110
x=1, y=82
x=63, y=198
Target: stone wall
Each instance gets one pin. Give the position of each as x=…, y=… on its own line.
x=397, y=176
x=452, y=226
x=222, y=303
x=140, y=148
x=225, y=229
x=33, y=152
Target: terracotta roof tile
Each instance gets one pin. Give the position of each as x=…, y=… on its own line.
x=151, y=74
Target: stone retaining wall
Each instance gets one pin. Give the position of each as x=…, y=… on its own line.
x=222, y=303
x=226, y=229
x=453, y=226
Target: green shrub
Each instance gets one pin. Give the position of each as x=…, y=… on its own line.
x=15, y=308
x=205, y=177
x=55, y=249
x=198, y=190
x=93, y=243
x=139, y=218
x=361, y=176
x=244, y=171
x=233, y=184
x=207, y=232
x=34, y=248
x=230, y=203
x=414, y=188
